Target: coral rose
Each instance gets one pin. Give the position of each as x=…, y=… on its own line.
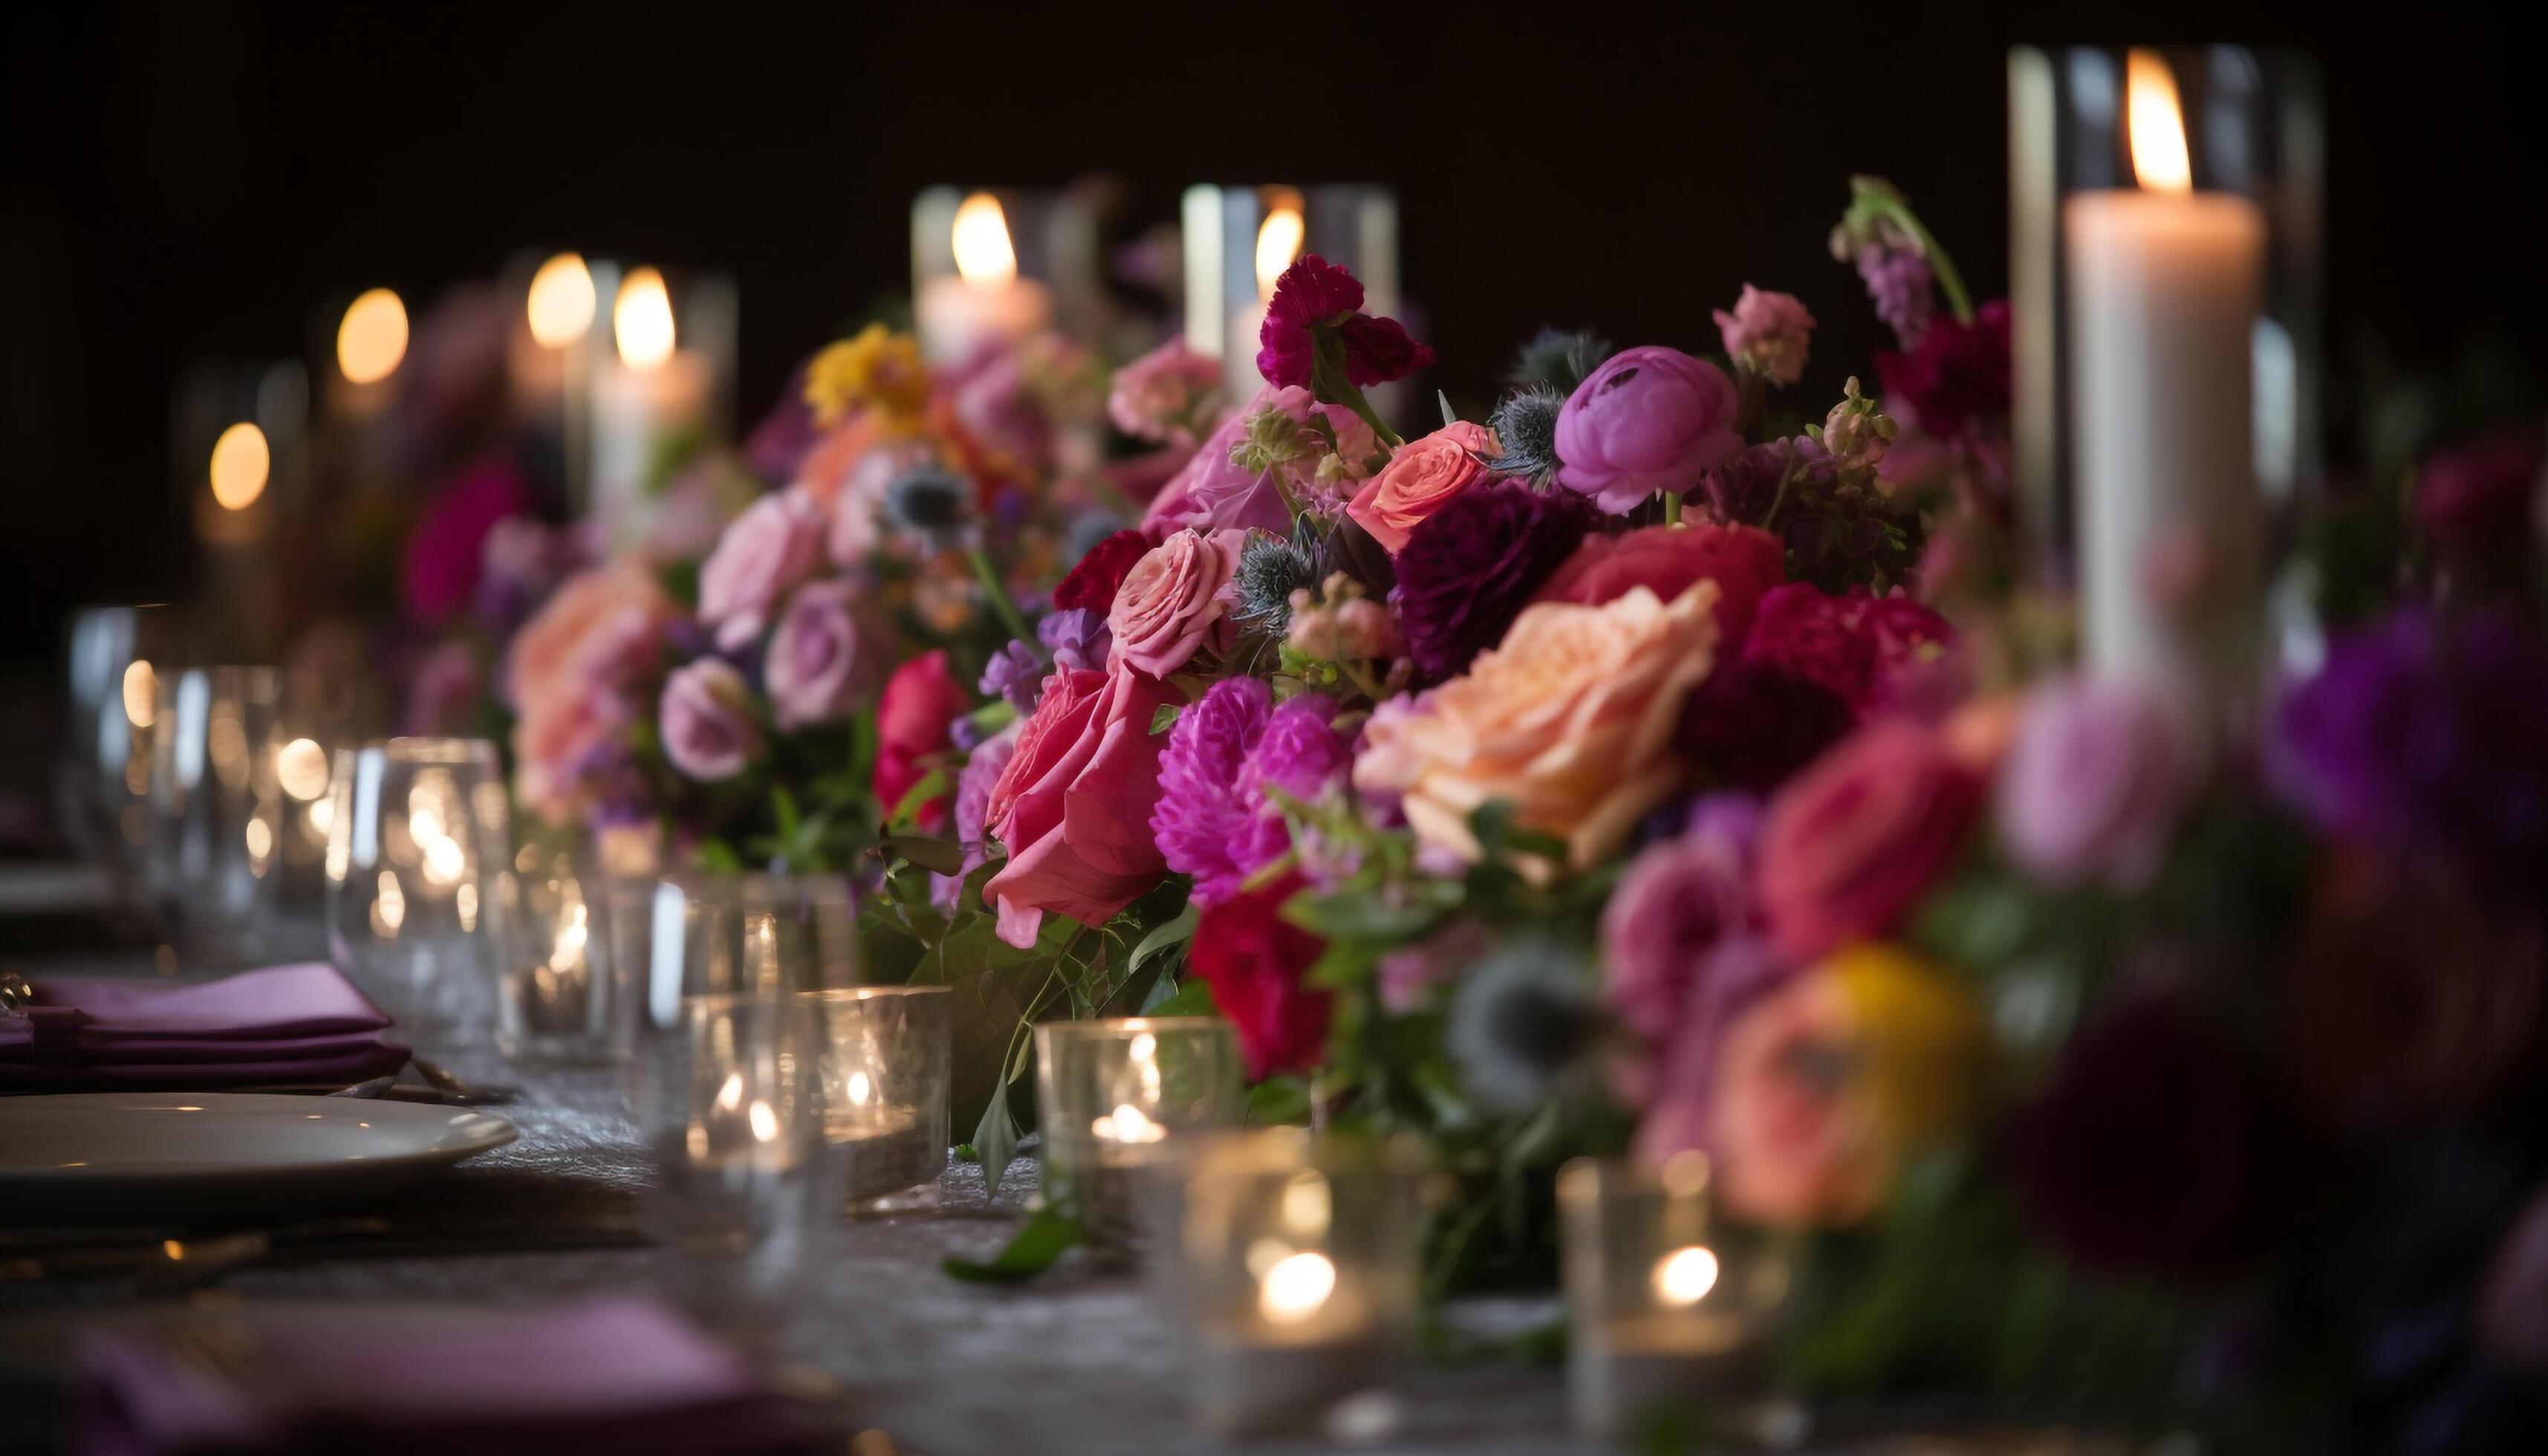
x=1744, y=562
x=1418, y=478
x=1852, y=841
x=1648, y=420
x=1173, y=604
x=1571, y=721
x=1073, y=805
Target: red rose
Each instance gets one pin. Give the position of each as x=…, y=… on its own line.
x=920, y=701
x=1073, y=805
x=1257, y=965
x=1744, y=562
x=1850, y=843
x=1091, y=585
x=1851, y=647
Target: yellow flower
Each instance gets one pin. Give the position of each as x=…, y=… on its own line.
x=1569, y=720
x=880, y=369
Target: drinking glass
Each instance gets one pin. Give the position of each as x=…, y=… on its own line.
x=886, y=1053
x=208, y=870
x=682, y=936
x=740, y=1197
x=418, y=836
x=115, y=655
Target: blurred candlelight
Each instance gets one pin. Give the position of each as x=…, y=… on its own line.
x=372, y=340
x=642, y=320
x=240, y=463
x=984, y=301
x=1278, y=243
x=984, y=255
x=563, y=301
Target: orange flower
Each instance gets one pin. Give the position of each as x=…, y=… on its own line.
x=1569, y=720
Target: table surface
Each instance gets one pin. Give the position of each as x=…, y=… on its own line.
x=1079, y=1361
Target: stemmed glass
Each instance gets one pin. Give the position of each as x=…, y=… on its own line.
x=419, y=840
x=115, y=656
x=212, y=807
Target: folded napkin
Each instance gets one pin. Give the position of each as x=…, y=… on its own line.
x=620, y=1376
x=283, y=1024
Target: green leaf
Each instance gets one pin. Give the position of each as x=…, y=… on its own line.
x=943, y=855
x=782, y=808
x=1194, y=998
x=1279, y=1102
x=996, y=1139
x=1164, y=718
x=931, y=785
x=1359, y=917
x=718, y=855
x=1166, y=938
x=1161, y=992
x=1046, y=1238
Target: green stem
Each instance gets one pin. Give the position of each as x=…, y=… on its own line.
x=1786, y=477
x=1949, y=281
x=1006, y=609
x=1362, y=680
x=1672, y=507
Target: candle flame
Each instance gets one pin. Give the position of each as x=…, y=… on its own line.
x=1296, y=1287
x=2158, y=123
x=1685, y=1276
x=642, y=319
x=240, y=464
x=1127, y=1124
x=985, y=257
x=562, y=301
x=1278, y=242
x=372, y=340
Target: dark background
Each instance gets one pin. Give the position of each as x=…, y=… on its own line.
x=187, y=180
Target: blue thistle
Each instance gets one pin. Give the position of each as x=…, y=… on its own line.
x=1525, y=425
x=1560, y=358
x=1270, y=570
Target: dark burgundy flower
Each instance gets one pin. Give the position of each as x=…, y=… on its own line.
x=1091, y=585
x=1755, y=726
x=2148, y=1151
x=1257, y=965
x=2477, y=501
x=1469, y=569
x=1851, y=646
x=1314, y=295
x=1957, y=375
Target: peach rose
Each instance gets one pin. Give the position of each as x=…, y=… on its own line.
x=1569, y=720
x=1171, y=604
x=1418, y=478
x=583, y=626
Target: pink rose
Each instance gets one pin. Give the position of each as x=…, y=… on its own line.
x=1170, y=605
x=1073, y=805
x=921, y=699
x=708, y=731
x=1649, y=419
x=2094, y=783
x=1418, y=478
x=1767, y=334
x=774, y=544
x=1850, y=843
x=1167, y=394
x=821, y=659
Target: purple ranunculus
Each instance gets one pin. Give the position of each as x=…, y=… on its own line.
x=2419, y=734
x=1650, y=419
x=1469, y=569
x=1014, y=673
x=707, y=726
x=1216, y=818
x=973, y=806
x=1078, y=639
x=2095, y=782
x=1675, y=902
x=822, y=661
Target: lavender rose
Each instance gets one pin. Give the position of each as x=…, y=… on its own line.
x=775, y=543
x=2095, y=782
x=822, y=661
x=1649, y=419
x=708, y=731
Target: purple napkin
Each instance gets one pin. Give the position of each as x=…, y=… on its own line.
x=285, y=1024
x=620, y=1376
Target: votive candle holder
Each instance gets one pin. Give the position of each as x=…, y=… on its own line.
x=885, y=1053
x=1115, y=1093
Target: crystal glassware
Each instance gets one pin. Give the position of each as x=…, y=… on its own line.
x=553, y=984
x=1296, y=1271
x=212, y=855
x=115, y=655
x=681, y=936
x=886, y=1053
x=419, y=840
x=1112, y=1094
x=739, y=1196
x=1664, y=1304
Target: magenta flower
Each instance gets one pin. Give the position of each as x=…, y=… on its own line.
x=446, y=552
x=1315, y=296
x=1218, y=818
x=1649, y=419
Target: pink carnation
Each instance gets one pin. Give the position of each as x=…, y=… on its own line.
x=1767, y=334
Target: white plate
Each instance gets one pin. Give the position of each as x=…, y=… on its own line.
x=177, y=1155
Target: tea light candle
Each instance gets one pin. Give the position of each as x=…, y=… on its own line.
x=1116, y=1093
x=2165, y=287
x=886, y=1053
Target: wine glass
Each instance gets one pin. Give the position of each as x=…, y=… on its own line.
x=212, y=811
